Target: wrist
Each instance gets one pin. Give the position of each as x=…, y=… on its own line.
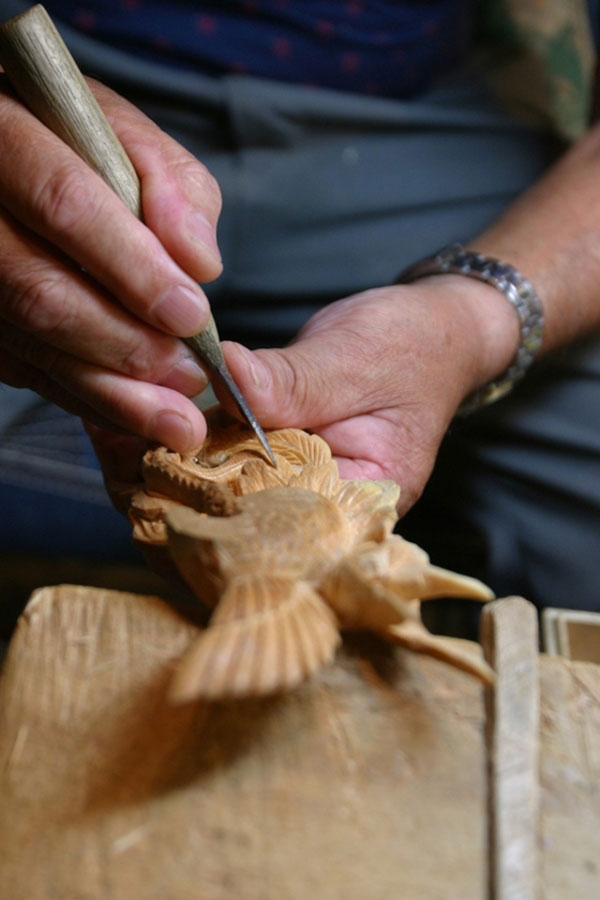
x=519, y=296
x=484, y=328
x=491, y=328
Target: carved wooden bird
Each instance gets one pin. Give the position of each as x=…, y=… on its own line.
x=288, y=558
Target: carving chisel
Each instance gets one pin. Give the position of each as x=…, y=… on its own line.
x=45, y=76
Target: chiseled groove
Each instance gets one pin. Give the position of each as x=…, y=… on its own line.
x=326, y=633
x=233, y=667
x=296, y=632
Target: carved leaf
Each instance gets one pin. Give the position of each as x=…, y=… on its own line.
x=267, y=635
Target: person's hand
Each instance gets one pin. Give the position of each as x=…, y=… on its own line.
x=380, y=375
x=91, y=299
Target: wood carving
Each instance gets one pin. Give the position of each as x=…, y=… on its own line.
x=287, y=557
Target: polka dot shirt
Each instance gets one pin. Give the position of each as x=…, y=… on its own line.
x=368, y=46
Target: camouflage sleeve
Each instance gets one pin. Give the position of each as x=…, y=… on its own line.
x=543, y=60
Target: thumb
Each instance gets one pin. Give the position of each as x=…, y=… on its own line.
x=308, y=384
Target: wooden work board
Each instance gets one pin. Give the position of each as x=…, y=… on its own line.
x=367, y=783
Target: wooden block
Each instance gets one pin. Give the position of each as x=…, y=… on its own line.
x=509, y=635
x=570, y=779
x=572, y=633
x=367, y=782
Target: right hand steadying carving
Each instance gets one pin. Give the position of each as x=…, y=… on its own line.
x=101, y=342
x=379, y=375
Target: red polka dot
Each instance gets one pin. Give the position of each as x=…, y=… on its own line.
x=323, y=28
x=85, y=19
x=350, y=62
x=206, y=24
x=354, y=7
x=281, y=48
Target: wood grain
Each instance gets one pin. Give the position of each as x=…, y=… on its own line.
x=368, y=782
x=570, y=779
x=509, y=636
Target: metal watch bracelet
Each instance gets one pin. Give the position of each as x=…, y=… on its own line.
x=519, y=293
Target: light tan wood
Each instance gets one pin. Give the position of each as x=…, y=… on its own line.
x=509, y=636
x=288, y=556
x=570, y=779
x=367, y=782
x=572, y=633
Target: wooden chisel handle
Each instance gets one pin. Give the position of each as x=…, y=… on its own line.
x=45, y=76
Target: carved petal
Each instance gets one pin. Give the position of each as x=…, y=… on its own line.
x=257, y=475
x=228, y=440
x=231, y=459
x=370, y=507
x=299, y=448
x=266, y=636
x=323, y=478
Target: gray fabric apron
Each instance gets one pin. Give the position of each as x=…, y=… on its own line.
x=326, y=194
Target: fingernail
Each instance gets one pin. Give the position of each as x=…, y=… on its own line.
x=171, y=429
x=187, y=377
x=202, y=231
x=182, y=311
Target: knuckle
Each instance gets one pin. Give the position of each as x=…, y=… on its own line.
x=297, y=387
x=40, y=307
x=197, y=182
x=138, y=363
x=65, y=200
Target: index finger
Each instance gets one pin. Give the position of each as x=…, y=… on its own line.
x=53, y=192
